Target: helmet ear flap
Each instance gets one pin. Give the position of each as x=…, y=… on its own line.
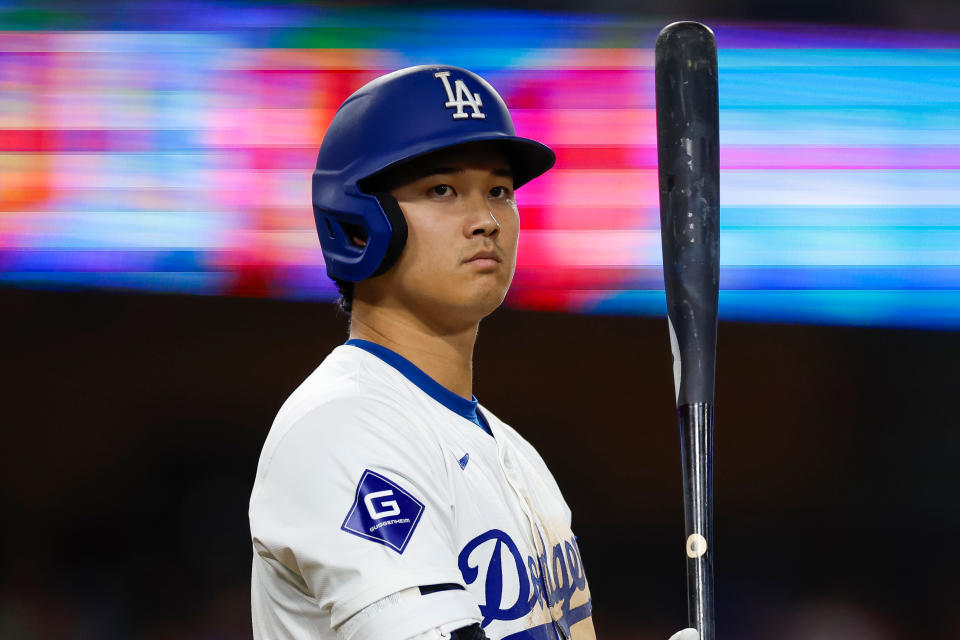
x=398, y=239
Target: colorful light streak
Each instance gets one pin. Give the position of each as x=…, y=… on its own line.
x=138, y=155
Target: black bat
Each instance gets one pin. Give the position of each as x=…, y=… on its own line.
x=688, y=159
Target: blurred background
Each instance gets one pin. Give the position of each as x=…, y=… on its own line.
x=162, y=292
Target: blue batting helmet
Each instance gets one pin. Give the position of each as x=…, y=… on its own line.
x=393, y=119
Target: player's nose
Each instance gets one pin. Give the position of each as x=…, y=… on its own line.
x=481, y=219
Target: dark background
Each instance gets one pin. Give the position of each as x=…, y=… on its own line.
x=133, y=424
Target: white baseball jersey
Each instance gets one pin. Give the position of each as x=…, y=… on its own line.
x=375, y=479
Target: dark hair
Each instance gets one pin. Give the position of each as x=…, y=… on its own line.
x=345, y=302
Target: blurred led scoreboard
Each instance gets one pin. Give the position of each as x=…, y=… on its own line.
x=137, y=155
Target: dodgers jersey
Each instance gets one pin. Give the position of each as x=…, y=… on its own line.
x=374, y=479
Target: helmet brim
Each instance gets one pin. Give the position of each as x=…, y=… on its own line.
x=528, y=159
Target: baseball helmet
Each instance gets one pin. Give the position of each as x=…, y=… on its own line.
x=389, y=121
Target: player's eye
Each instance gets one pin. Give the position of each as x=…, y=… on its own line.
x=441, y=190
x=499, y=192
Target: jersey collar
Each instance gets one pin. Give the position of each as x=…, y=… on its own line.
x=459, y=405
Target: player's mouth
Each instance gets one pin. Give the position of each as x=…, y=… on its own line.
x=484, y=259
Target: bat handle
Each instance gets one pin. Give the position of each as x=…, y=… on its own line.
x=696, y=447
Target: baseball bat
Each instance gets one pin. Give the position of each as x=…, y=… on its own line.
x=689, y=171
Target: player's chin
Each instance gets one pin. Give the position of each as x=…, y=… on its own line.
x=485, y=295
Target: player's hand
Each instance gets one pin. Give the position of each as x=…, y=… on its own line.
x=686, y=634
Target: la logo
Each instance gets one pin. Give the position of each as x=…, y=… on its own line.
x=463, y=97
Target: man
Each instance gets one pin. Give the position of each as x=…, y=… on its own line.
x=388, y=503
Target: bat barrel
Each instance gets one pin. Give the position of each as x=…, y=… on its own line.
x=696, y=438
x=688, y=158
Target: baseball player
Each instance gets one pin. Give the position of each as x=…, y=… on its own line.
x=388, y=503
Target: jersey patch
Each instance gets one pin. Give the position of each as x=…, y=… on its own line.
x=383, y=512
